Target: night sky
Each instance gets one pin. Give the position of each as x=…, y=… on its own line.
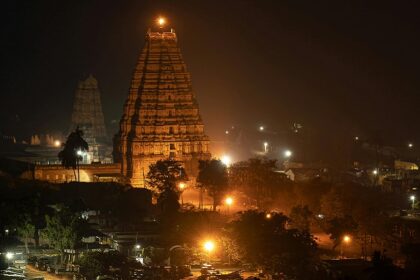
x=340, y=68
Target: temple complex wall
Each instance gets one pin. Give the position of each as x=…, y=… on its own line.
x=88, y=173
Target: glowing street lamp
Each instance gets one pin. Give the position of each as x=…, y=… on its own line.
x=265, y=147
x=268, y=216
x=9, y=255
x=413, y=201
x=182, y=186
x=375, y=171
x=356, y=138
x=209, y=246
x=229, y=201
x=226, y=160
x=138, y=247
x=410, y=145
x=57, y=143
x=345, y=240
x=287, y=153
x=261, y=128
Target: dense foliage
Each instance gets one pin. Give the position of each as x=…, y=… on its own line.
x=213, y=177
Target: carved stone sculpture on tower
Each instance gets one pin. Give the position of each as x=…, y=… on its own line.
x=161, y=117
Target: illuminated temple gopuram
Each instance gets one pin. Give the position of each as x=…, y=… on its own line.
x=161, y=118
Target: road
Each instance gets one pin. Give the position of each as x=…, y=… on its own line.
x=31, y=272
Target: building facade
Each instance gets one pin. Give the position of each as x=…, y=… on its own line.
x=161, y=117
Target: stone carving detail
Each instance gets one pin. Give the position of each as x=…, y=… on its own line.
x=161, y=113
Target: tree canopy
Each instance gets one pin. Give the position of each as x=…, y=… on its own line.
x=269, y=244
x=70, y=155
x=165, y=174
x=213, y=177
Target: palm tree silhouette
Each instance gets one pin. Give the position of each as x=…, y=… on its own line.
x=70, y=156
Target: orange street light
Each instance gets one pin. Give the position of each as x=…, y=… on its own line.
x=268, y=216
x=181, y=187
x=226, y=160
x=229, y=201
x=209, y=246
x=346, y=239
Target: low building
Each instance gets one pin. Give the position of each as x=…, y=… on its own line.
x=88, y=173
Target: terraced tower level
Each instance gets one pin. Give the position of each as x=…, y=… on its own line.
x=161, y=117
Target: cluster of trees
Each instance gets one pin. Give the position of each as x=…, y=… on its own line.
x=335, y=208
x=164, y=178
x=267, y=242
x=31, y=209
x=93, y=264
x=345, y=208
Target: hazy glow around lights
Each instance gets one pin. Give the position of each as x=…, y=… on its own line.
x=229, y=200
x=161, y=21
x=226, y=160
x=346, y=238
x=9, y=255
x=208, y=246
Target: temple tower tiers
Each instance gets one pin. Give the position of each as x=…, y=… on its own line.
x=161, y=118
x=87, y=109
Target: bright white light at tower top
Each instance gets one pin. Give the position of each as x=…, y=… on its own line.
x=161, y=21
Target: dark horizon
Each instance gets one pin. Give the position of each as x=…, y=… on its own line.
x=339, y=69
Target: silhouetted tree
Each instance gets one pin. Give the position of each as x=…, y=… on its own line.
x=165, y=174
x=412, y=263
x=156, y=255
x=213, y=177
x=300, y=217
x=93, y=264
x=168, y=202
x=70, y=155
x=267, y=243
x=256, y=178
x=338, y=227
x=382, y=268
